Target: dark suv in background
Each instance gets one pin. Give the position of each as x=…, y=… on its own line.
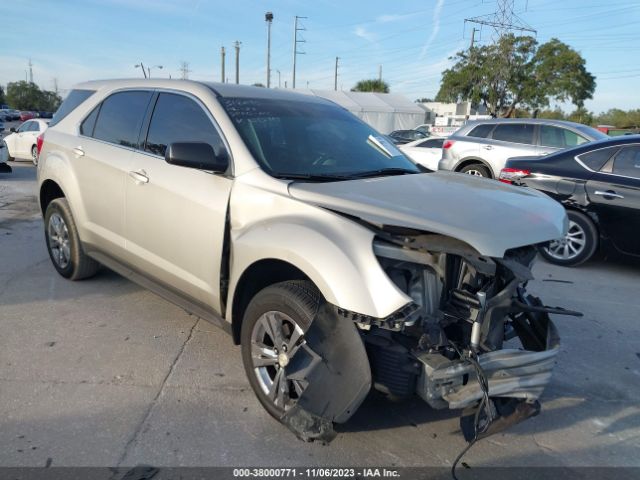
x=482, y=147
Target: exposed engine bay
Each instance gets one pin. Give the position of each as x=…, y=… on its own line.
x=454, y=345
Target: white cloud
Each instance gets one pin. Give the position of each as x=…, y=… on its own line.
x=435, y=27
x=362, y=32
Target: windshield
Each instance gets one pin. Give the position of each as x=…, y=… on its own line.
x=301, y=139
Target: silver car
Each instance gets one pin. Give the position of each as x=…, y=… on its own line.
x=482, y=147
x=312, y=240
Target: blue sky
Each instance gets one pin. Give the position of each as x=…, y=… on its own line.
x=80, y=40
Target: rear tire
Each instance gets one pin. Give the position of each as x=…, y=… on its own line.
x=577, y=246
x=63, y=243
x=289, y=308
x=34, y=155
x=476, y=169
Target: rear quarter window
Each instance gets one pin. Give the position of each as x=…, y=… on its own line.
x=73, y=100
x=481, y=131
x=596, y=159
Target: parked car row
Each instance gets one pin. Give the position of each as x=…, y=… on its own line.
x=595, y=177
x=9, y=115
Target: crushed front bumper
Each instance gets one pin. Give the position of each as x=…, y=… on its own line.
x=511, y=373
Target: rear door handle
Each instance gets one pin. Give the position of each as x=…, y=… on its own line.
x=488, y=147
x=78, y=152
x=608, y=193
x=140, y=176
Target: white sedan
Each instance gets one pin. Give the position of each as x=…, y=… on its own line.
x=426, y=152
x=22, y=143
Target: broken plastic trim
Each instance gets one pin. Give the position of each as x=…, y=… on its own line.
x=337, y=384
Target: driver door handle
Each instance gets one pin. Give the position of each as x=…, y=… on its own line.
x=488, y=147
x=608, y=193
x=140, y=176
x=78, y=152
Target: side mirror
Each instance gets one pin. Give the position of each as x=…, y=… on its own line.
x=12, y=129
x=198, y=155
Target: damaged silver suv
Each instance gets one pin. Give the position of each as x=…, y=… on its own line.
x=335, y=262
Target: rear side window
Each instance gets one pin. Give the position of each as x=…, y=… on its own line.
x=595, y=160
x=73, y=100
x=433, y=143
x=514, y=132
x=627, y=162
x=120, y=118
x=87, y=126
x=177, y=118
x=557, y=137
x=35, y=127
x=481, y=131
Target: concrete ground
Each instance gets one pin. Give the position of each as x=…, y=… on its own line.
x=104, y=373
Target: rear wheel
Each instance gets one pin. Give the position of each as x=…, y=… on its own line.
x=273, y=342
x=476, y=169
x=577, y=246
x=63, y=243
x=34, y=155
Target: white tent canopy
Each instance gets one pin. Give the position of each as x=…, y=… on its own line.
x=383, y=111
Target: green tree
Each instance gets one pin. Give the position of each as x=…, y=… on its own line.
x=619, y=118
x=373, y=85
x=517, y=73
x=2, y=99
x=555, y=114
x=28, y=96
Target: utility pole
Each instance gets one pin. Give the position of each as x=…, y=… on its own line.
x=269, y=18
x=184, y=69
x=296, y=29
x=237, y=46
x=503, y=20
x=55, y=85
x=473, y=37
x=278, y=78
x=222, y=62
x=335, y=75
x=380, y=73
x=30, y=71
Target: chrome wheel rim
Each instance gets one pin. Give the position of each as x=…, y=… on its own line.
x=474, y=172
x=570, y=246
x=275, y=340
x=59, y=241
x=34, y=154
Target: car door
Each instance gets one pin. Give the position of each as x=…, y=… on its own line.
x=508, y=140
x=23, y=137
x=176, y=216
x=101, y=156
x=614, y=193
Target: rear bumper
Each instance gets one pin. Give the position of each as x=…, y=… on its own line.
x=521, y=374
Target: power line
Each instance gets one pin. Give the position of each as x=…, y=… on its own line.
x=503, y=20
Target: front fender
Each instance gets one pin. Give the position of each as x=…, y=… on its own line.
x=333, y=251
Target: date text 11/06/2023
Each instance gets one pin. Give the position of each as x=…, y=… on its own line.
x=269, y=473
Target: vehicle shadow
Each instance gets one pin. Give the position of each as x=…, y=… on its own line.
x=381, y=413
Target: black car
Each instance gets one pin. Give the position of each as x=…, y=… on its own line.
x=400, y=137
x=599, y=185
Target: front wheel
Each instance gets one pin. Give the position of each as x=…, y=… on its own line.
x=274, y=349
x=577, y=246
x=476, y=169
x=63, y=243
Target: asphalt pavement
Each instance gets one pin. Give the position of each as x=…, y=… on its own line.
x=104, y=373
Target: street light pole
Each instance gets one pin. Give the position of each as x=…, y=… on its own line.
x=269, y=18
x=141, y=66
x=278, y=78
x=155, y=66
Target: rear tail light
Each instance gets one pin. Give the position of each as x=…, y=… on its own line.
x=39, y=143
x=510, y=175
x=447, y=144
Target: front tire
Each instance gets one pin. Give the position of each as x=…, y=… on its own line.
x=63, y=243
x=272, y=335
x=34, y=155
x=577, y=246
x=476, y=169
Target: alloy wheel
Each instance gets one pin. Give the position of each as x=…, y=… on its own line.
x=275, y=340
x=474, y=172
x=569, y=246
x=59, y=242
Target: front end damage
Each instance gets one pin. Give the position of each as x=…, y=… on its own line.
x=455, y=345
